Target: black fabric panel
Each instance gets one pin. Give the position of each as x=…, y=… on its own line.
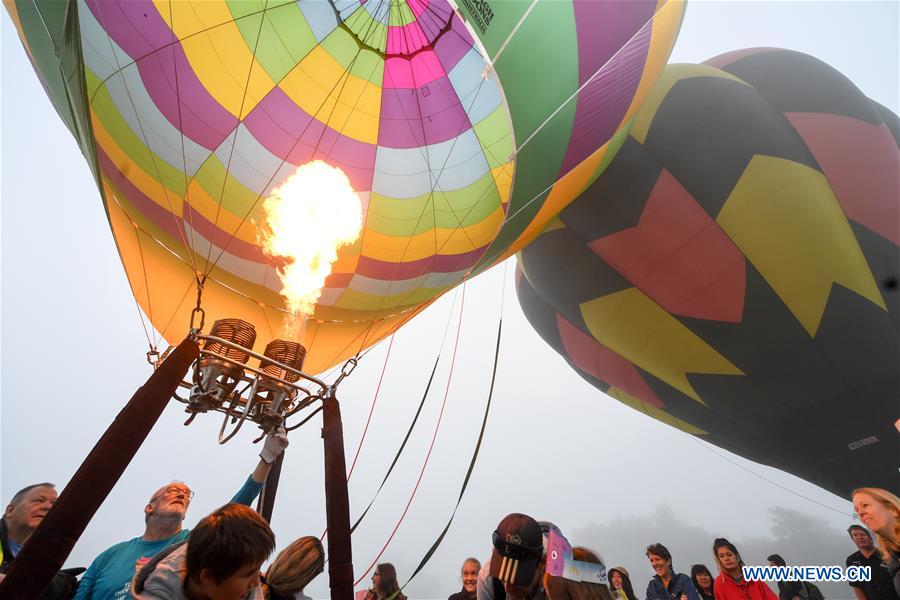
x=858, y=338
x=567, y=273
x=707, y=129
x=725, y=429
x=796, y=82
x=821, y=440
x=884, y=261
x=616, y=200
x=540, y=315
x=788, y=369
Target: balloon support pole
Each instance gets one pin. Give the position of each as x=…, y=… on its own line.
x=337, y=503
x=49, y=546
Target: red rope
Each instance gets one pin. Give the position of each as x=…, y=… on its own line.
x=430, y=447
x=372, y=409
x=369, y=420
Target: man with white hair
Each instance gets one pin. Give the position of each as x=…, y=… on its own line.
x=109, y=576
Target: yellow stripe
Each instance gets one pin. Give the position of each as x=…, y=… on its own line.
x=146, y=183
x=630, y=324
x=659, y=414
x=503, y=176
x=666, y=24
x=350, y=104
x=423, y=245
x=203, y=203
x=218, y=53
x=786, y=220
x=665, y=29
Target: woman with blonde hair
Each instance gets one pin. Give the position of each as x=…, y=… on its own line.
x=879, y=510
x=558, y=588
x=295, y=567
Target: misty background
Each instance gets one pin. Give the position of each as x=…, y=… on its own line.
x=72, y=352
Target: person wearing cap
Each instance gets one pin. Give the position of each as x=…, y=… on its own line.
x=620, y=584
x=667, y=584
x=880, y=586
x=111, y=573
x=516, y=568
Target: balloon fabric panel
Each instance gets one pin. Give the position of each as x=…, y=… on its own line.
x=740, y=252
x=192, y=113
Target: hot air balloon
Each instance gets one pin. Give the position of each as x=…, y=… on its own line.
x=733, y=273
x=462, y=131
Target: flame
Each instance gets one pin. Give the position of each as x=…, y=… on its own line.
x=307, y=219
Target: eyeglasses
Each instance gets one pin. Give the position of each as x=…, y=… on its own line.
x=173, y=490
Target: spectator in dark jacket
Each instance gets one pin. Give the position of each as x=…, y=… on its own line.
x=787, y=590
x=879, y=586
x=21, y=518
x=667, y=584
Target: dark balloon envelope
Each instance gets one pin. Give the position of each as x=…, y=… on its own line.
x=733, y=272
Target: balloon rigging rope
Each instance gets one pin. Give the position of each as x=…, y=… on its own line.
x=381, y=378
x=776, y=484
x=433, y=440
x=513, y=33
x=592, y=77
x=434, y=185
x=345, y=77
x=362, y=438
x=236, y=131
x=510, y=217
x=412, y=424
x=210, y=267
x=487, y=409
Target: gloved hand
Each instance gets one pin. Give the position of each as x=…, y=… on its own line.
x=274, y=445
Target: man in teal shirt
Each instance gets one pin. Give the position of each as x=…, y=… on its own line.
x=109, y=576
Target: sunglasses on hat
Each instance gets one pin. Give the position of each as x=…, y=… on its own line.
x=516, y=551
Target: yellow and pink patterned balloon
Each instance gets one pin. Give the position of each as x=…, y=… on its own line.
x=462, y=127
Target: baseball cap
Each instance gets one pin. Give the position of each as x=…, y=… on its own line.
x=518, y=548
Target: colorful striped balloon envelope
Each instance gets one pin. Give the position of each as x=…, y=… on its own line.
x=463, y=128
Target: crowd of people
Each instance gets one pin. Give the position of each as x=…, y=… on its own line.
x=221, y=557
